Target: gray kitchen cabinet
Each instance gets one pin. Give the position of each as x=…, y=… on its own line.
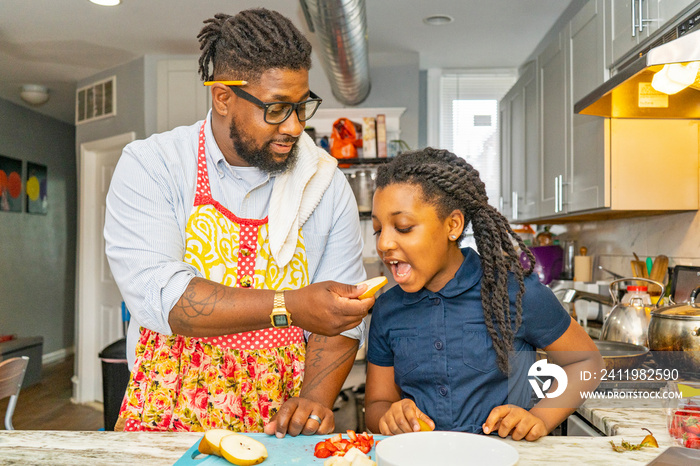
x=554, y=122
x=181, y=97
x=631, y=22
x=524, y=146
x=504, y=201
x=590, y=167
x=663, y=11
x=623, y=35
x=519, y=139
x=585, y=181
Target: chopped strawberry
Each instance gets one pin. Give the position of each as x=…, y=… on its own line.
x=352, y=435
x=322, y=453
x=330, y=446
x=692, y=424
x=692, y=441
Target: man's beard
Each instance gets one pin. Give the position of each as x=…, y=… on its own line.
x=262, y=157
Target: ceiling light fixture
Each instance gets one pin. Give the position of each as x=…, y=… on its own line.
x=438, y=20
x=34, y=94
x=106, y=2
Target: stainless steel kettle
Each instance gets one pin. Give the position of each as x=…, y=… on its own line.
x=629, y=322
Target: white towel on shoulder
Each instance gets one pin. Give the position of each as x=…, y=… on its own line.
x=295, y=195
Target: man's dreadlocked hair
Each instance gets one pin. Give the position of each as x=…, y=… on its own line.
x=247, y=44
x=449, y=183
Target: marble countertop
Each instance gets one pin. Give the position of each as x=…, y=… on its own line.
x=64, y=448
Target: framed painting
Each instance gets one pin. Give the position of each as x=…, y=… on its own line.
x=36, y=189
x=10, y=184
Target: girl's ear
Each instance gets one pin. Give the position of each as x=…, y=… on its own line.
x=455, y=224
x=221, y=98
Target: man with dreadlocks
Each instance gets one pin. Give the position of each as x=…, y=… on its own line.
x=440, y=341
x=230, y=236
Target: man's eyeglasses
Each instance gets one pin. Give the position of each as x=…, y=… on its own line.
x=276, y=112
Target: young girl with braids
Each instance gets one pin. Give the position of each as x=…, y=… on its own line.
x=439, y=343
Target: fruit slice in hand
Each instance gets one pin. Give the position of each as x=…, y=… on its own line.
x=424, y=426
x=209, y=445
x=373, y=285
x=242, y=450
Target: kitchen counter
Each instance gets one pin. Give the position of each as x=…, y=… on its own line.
x=63, y=448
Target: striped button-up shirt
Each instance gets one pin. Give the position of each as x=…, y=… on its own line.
x=151, y=197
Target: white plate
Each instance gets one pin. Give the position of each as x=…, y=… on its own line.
x=445, y=449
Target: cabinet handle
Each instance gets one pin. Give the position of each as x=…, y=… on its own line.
x=500, y=204
x=515, y=205
x=634, y=22
x=641, y=16
x=556, y=194
x=561, y=192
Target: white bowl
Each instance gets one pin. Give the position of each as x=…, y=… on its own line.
x=444, y=449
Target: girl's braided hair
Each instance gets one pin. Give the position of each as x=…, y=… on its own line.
x=449, y=183
x=247, y=44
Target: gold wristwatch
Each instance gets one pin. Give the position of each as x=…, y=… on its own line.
x=280, y=316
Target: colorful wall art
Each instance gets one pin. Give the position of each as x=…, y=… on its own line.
x=37, y=202
x=10, y=184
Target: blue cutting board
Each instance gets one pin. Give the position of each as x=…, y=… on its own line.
x=298, y=451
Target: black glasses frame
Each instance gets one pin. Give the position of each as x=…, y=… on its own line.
x=294, y=107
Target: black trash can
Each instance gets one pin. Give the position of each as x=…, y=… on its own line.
x=115, y=378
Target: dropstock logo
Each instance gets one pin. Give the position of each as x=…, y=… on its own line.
x=541, y=369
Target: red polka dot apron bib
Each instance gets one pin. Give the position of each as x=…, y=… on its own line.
x=231, y=381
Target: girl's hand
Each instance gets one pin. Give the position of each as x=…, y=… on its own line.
x=516, y=422
x=403, y=417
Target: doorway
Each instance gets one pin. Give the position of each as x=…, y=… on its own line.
x=98, y=313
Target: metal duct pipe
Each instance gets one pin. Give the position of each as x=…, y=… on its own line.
x=341, y=26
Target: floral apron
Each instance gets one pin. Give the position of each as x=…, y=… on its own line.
x=234, y=382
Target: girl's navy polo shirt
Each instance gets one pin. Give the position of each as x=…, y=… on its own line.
x=442, y=353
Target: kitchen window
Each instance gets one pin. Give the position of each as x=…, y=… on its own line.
x=463, y=118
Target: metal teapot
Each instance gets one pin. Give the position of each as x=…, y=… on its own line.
x=629, y=322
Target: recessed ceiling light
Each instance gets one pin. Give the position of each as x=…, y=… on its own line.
x=438, y=20
x=106, y=2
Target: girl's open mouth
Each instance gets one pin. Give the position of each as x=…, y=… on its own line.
x=400, y=270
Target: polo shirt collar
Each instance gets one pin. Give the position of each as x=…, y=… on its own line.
x=468, y=275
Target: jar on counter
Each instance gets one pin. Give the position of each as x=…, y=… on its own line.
x=364, y=183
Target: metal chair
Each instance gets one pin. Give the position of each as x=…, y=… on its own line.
x=11, y=377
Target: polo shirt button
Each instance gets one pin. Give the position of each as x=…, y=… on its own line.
x=438, y=345
x=443, y=391
x=436, y=301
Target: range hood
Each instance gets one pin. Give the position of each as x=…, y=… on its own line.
x=629, y=94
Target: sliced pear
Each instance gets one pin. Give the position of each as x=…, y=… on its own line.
x=373, y=285
x=242, y=450
x=209, y=445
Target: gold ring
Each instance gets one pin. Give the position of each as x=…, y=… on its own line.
x=315, y=418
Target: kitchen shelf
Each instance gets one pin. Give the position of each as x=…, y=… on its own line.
x=362, y=161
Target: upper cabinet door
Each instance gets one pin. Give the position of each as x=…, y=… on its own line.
x=554, y=118
x=587, y=174
x=623, y=29
x=663, y=11
x=504, y=138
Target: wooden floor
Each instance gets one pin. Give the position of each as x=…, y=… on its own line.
x=47, y=405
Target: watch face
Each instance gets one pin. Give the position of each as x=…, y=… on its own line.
x=280, y=320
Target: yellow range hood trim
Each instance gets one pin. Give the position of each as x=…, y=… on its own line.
x=629, y=94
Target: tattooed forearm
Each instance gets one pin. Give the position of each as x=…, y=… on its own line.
x=316, y=378
x=199, y=299
x=314, y=357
